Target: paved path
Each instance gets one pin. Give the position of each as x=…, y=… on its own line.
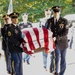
x=36, y=64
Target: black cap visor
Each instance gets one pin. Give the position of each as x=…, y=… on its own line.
x=56, y=10
x=14, y=16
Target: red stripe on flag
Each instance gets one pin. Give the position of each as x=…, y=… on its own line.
x=29, y=36
x=37, y=35
x=54, y=46
x=24, y=48
x=30, y=42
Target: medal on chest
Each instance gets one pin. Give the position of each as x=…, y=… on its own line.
x=61, y=26
x=29, y=26
x=22, y=27
x=9, y=33
x=16, y=31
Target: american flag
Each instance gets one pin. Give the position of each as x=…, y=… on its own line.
x=35, y=38
x=10, y=7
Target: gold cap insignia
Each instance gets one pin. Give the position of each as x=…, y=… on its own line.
x=57, y=8
x=6, y=16
x=15, y=14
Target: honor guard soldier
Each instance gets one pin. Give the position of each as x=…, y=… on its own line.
x=4, y=42
x=59, y=27
x=45, y=55
x=42, y=24
x=25, y=23
x=22, y=25
x=14, y=41
x=47, y=16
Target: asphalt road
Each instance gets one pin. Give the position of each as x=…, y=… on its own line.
x=36, y=64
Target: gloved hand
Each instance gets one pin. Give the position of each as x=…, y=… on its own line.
x=59, y=38
x=54, y=38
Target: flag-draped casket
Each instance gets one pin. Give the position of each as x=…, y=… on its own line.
x=35, y=38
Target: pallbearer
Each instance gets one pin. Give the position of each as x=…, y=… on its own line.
x=14, y=41
x=4, y=42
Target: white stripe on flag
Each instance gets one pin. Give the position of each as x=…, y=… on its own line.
x=50, y=45
x=27, y=44
x=33, y=36
x=50, y=33
x=44, y=39
x=41, y=37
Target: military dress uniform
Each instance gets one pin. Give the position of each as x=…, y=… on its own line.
x=60, y=31
x=42, y=22
x=5, y=44
x=26, y=57
x=25, y=25
x=14, y=41
x=45, y=55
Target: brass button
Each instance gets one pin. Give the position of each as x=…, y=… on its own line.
x=55, y=28
x=55, y=34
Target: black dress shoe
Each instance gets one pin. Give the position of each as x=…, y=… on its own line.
x=45, y=68
x=24, y=61
x=28, y=63
x=56, y=73
x=51, y=70
x=9, y=72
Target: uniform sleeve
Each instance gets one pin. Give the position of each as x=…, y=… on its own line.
x=65, y=32
x=47, y=25
x=2, y=32
x=30, y=24
x=20, y=24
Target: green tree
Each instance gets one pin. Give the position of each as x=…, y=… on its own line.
x=35, y=8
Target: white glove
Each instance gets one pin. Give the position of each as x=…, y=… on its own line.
x=54, y=38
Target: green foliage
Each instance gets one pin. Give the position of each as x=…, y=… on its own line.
x=35, y=8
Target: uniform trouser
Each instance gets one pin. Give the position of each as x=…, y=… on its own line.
x=17, y=58
x=45, y=55
x=52, y=61
x=60, y=60
x=8, y=61
x=71, y=42
x=26, y=57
